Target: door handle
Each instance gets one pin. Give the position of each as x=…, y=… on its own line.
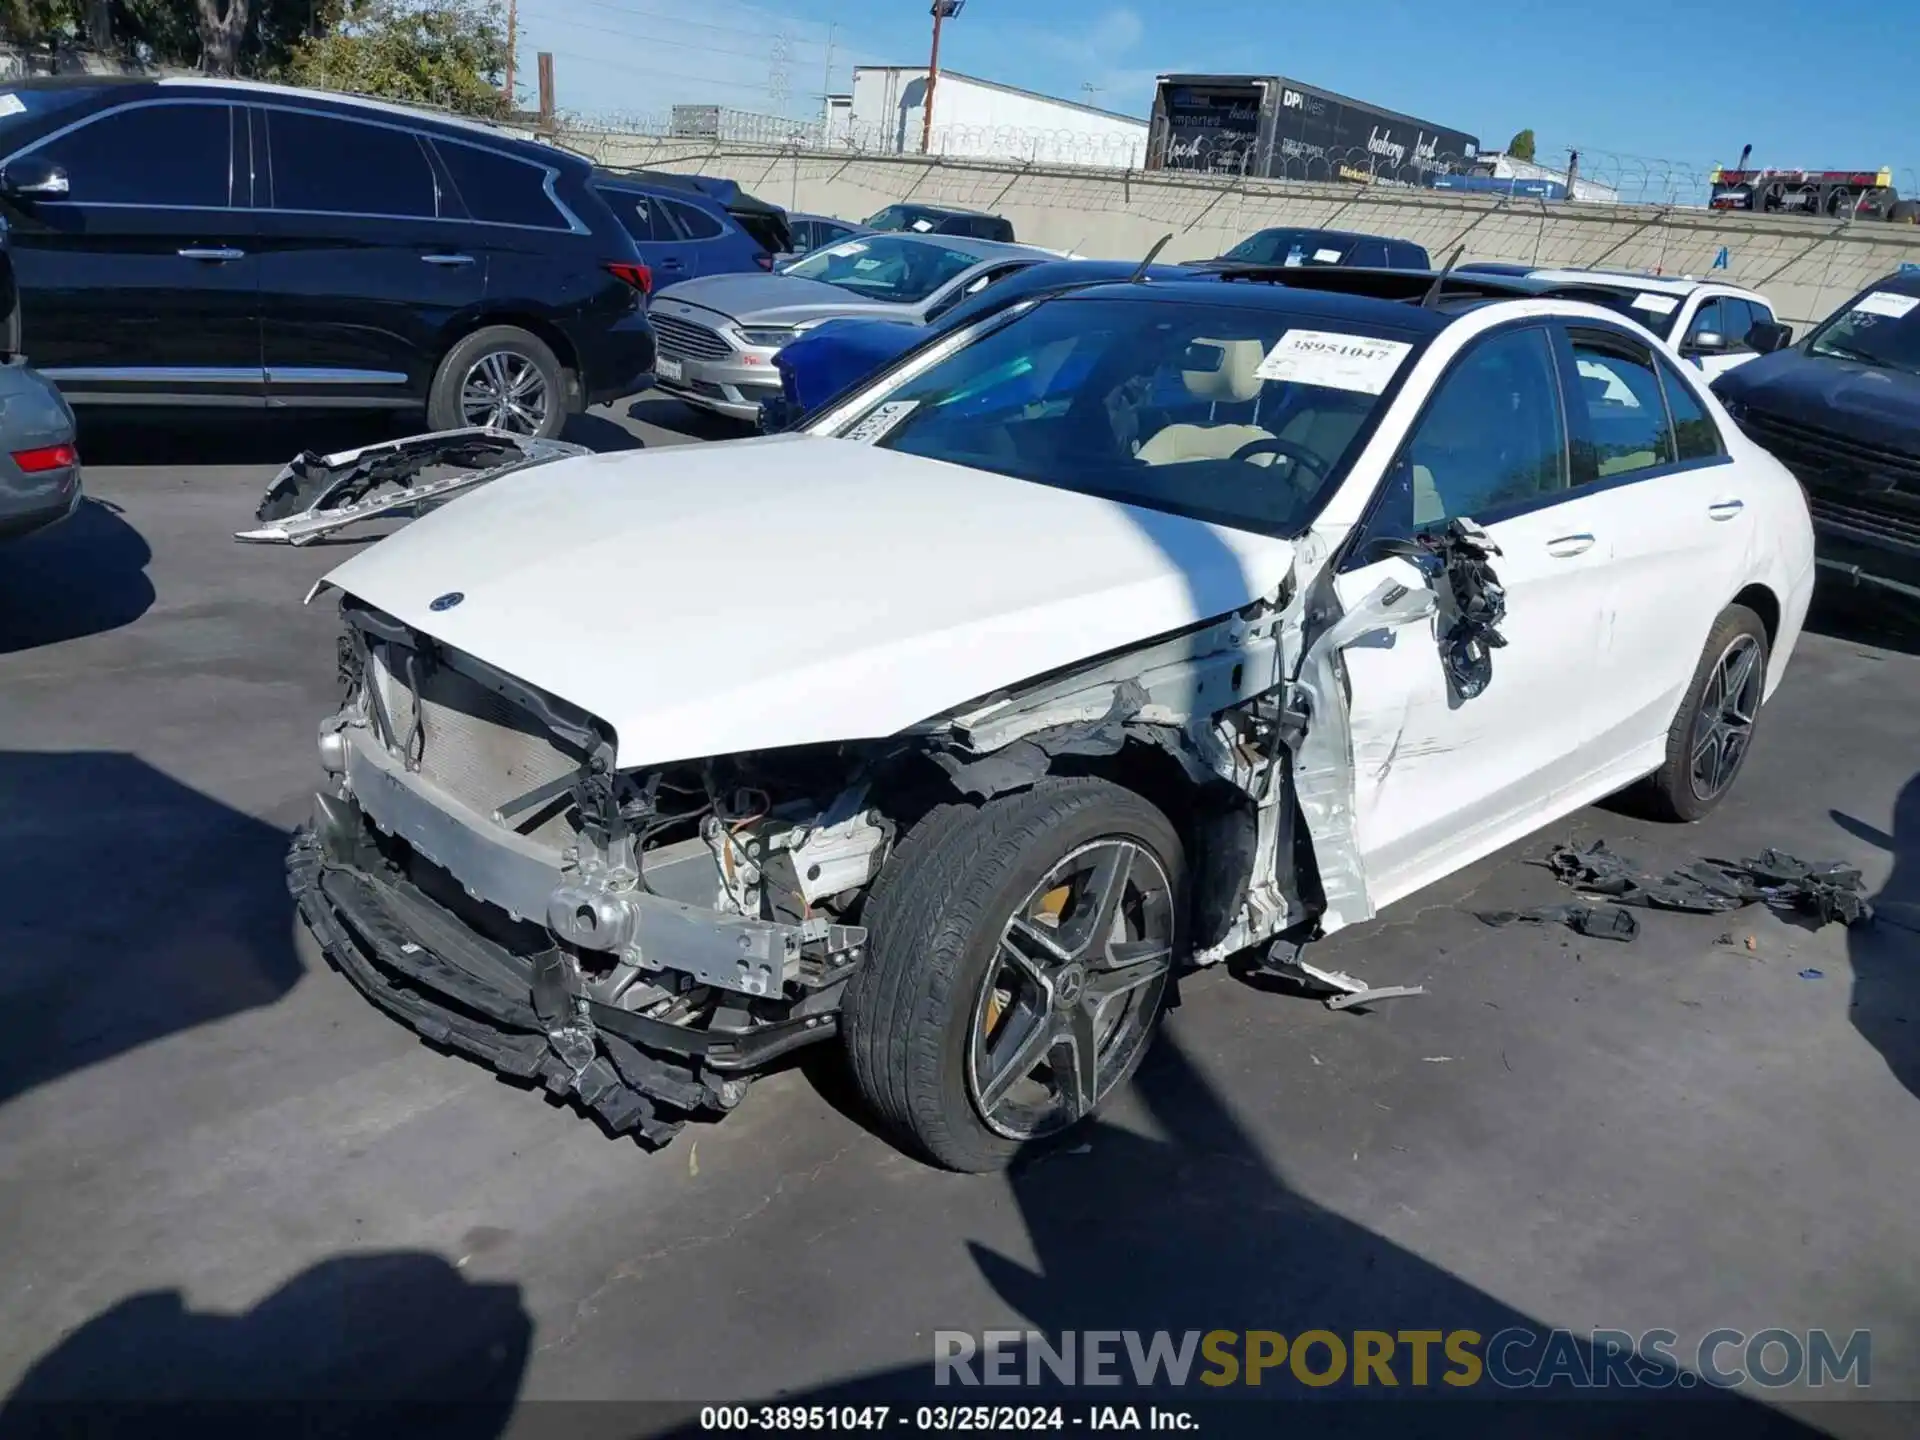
x=448, y=259
x=671, y=264
x=1725, y=509
x=1568, y=545
x=215, y=253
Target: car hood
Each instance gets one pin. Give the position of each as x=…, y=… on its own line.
x=790, y=590
x=757, y=299
x=1863, y=402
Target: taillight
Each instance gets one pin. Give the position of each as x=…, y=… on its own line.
x=765, y=262
x=638, y=275
x=47, y=457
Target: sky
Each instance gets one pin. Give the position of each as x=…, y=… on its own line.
x=1825, y=85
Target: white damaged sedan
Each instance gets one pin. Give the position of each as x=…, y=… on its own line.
x=1127, y=630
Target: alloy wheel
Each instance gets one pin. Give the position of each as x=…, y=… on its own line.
x=1723, y=729
x=505, y=391
x=1072, y=991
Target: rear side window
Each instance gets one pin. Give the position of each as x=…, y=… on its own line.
x=1403, y=256
x=643, y=216
x=175, y=155
x=695, y=223
x=334, y=166
x=499, y=189
x=1627, y=429
x=1695, y=435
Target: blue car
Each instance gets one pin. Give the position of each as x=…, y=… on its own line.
x=840, y=354
x=686, y=226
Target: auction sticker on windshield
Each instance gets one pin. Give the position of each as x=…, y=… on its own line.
x=851, y=247
x=1886, y=302
x=1334, y=361
x=12, y=105
x=883, y=419
x=1658, y=304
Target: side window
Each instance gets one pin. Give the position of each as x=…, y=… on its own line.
x=1710, y=319
x=1761, y=314
x=1627, y=428
x=1369, y=254
x=173, y=156
x=1739, y=321
x=346, y=167
x=1407, y=257
x=695, y=223
x=641, y=216
x=1695, y=435
x=498, y=188
x=1492, y=437
x=802, y=233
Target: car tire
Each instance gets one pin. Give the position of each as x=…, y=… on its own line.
x=953, y=1042
x=502, y=360
x=1680, y=789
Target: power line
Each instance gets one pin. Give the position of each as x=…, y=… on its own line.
x=757, y=87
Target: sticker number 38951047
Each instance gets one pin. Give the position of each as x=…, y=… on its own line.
x=1335, y=361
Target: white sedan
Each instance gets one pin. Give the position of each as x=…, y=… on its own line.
x=1124, y=631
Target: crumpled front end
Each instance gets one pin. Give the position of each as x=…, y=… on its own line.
x=479, y=871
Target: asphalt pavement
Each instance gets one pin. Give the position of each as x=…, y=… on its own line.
x=222, y=1165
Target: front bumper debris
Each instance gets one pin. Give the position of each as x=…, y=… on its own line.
x=318, y=494
x=526, y=1016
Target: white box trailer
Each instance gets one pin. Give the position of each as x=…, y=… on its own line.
x=980, y=119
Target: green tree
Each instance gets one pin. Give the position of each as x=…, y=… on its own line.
x=1521, y=146
x=450, y=53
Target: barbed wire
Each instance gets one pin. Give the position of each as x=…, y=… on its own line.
x=1601, y=176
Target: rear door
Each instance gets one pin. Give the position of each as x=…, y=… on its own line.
x=1661, y=485
x=368, y=265
x=141, y=282
x=655, y=236
x=1440, y=778
x=711, y=246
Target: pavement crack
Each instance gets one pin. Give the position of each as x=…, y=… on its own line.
x=632, y=1269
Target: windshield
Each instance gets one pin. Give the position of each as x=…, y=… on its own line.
x=21, y=107
x=903, y=217
x=1881, y=327
x=885, y=267
x=1652, y=308
x=1291, y=247
x=1240, y=416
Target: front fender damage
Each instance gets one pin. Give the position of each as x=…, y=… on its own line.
x=1257, y=711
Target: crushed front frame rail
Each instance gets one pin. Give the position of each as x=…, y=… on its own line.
x=316, y=495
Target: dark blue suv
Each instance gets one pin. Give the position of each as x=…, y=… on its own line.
x=691, y=225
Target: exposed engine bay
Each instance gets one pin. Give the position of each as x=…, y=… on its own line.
x=646, y=938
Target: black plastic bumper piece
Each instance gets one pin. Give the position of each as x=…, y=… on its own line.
x=467, y=995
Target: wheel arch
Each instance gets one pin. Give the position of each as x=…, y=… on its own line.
x=548, y=333
x=1763, y=602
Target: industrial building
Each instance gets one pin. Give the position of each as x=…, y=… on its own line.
x=886, y=113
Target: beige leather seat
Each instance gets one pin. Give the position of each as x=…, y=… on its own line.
x=1235, y=382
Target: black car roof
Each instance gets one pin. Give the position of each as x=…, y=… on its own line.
x=1901, y=282
x=938, y=209
x=1330, y=234
x=1391, y=309
x=457, y=127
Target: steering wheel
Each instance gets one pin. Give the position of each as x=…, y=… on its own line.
x=1272, y=445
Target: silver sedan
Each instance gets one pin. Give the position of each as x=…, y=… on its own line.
x=718, y=334
x=39, y=467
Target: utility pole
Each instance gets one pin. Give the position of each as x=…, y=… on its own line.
x=942, y=10
x=831, y=27
x=513, y=17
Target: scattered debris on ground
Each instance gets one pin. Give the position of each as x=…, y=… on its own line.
x=1828, y=891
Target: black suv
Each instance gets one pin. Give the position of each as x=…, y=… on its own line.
x=943, y=220
x=1842, y=411
x=209, y=243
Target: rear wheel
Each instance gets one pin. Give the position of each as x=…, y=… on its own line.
x=1016, y=974
x=502, y=377
x=1709, y=740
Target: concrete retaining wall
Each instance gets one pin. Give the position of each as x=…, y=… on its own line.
x=1805, y=266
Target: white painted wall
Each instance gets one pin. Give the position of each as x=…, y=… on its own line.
x=985, y=122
